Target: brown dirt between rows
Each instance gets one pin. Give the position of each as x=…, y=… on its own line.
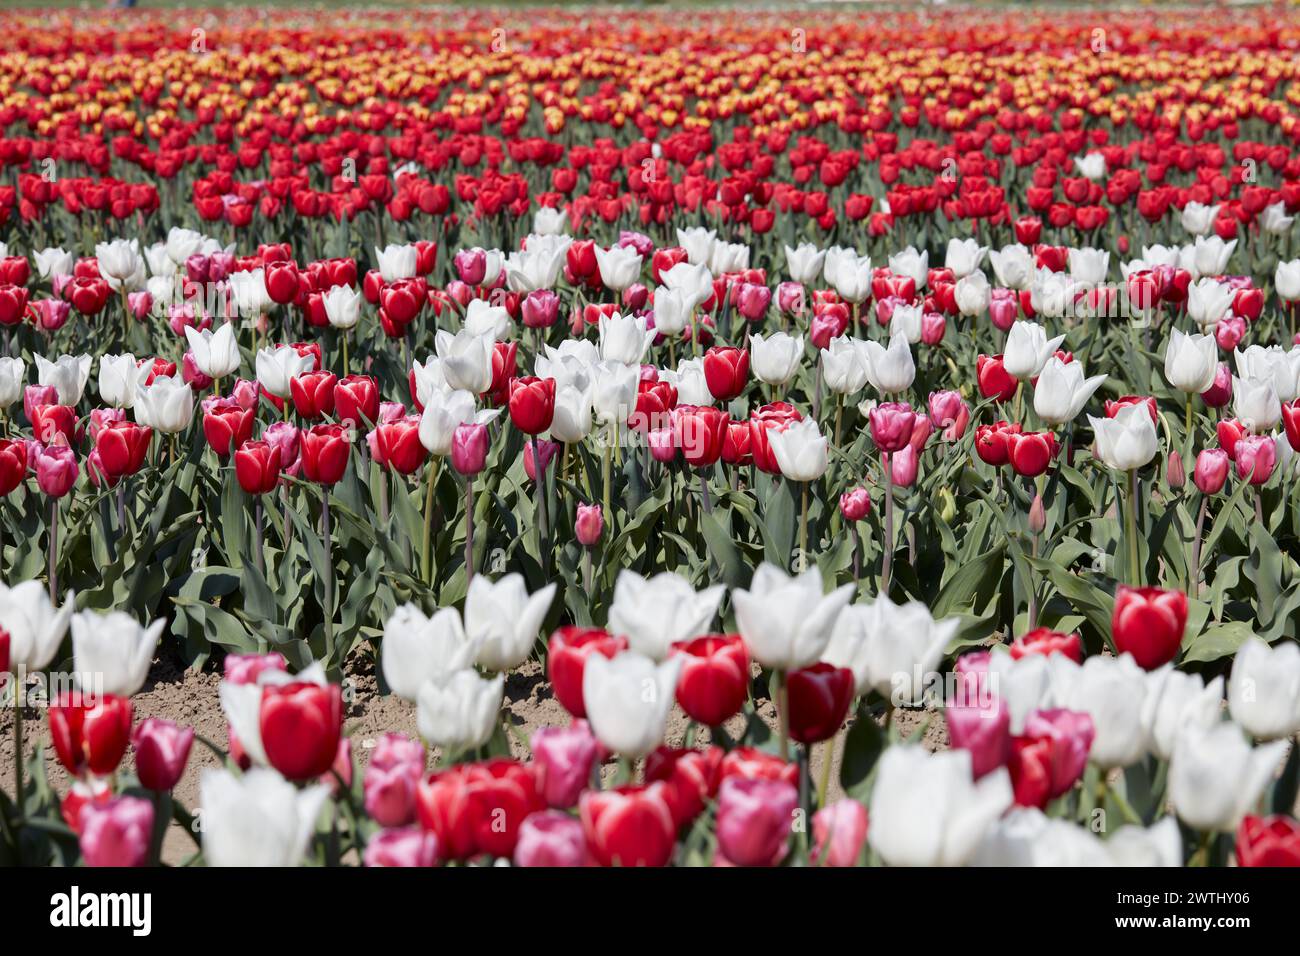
x=190, y=697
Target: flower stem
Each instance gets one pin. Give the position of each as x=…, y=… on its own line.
x=803, y=522
x=54, y=550
x=329, y=571
x=887, y=562
x=18, y=677
x=426, y=552
x=1194, y=572
x=1135, y=573
x=782, y=715
x=828, y=758
x=540, y=482
x=469, y=528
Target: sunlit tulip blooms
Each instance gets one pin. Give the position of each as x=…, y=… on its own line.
x=911, y=264
x=843, y=367
x=299, y=723
x=1286, y=279
x=801, y=451
x=655, y=613
x=401, y=847
x=417, y=649
x=443, y=414
x=1255, y=456
x=620, y=266
x=1013, y=266
x=1281, y=367
x=851, y=276
x=1211, y=470
x=1255, y=403
x=1208, y=301
x=1191, y=362
x=54, y=262
x=889, y=370
x=714, y=681
x=624, y=339
x=839, y=833
x=754, y=821
x=1175, y=700
x=1268, y=841
x=277, y=367
x=35, y=625
x=563, y=758
x=162, y=749
x=257, y=818
x=1049, y=755
x=566, y=659
x=1264, y=689
x=777, y=358
x=67, y=375
x=397, y=445
x=927, y=810
x=629, y=826
x=804, y=264
x=502, y=618
x=890, y=648
x=1027, y=350
x=111, y=652
x=992, y=442
x=1127, y=441
x=459, y=711
x=855, y=504
x=469, y=447
x=215, y=353
x=627, y=698
x=116, y=833
x=787, y=621
x=1216, y=777
x=56, y=469
x=90, y=733
x=972, y=294
x=397, y=262
x=1061, y=391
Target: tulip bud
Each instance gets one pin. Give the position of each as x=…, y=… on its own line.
x=589, y=525
x=116, y=833
x=754, y=821
x=855, y=504
x=469, y=447
x=1037, y=517
x=563, y=758
x=1211, y=470
x=162, y=749
x=1174, y=472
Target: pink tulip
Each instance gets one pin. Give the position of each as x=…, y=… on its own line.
x=1072, y=733
x=982, y=727
x=391, y=779
x=469, y=448
x=56, y=470
x=1256, y=455
x=190, y=374
x=855, y=504
x=162, y=749
x=589, y=525
x=540, y=309
x=1229, y=332
x=551, y=838
x=36, y=395
x=246, y=668
x=949, y=411
x=753, y=300
x=1220, y=393
x=839, y=831
x=99, y=417
x=790, y=298
x=1004, y=306
x=285, y=437
x=116, y=833
x=51, y=314
x=903, y=466
x=406, y=847
x=245, y=392
x=933, y=327
x=547, y=451
x=1211, y=470
x=754, y=820
x=892, y=424
x=471, y=266
x=140, y=304
x=563, y=758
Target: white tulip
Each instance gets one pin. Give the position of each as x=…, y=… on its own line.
x=549, y=222
x=166, y=405
x=1053, y=294
x=843, y=368
x=1127, y=441
x=775, y=359
x=801, y=450
x=119, y=261
x=257, y=818
x=13, y=373
x=1255, y=403
x=417, y=648
x=728, y=257
x=443, y=413
x=1160, y=844
x=1112, y=691
x=1264, y=689
x=964, y=256
x=1174, y=701
x=1028, y=348
x=891, y=648
x=1025, y=684
x=1014, y=266
x=927, y=811
x=67, y=373
x=1062, y=391
x=787, y=621
x=628, y=698
x=694, y=279
x=1259, y=363
x=1092, y=166
x=911, y=264
x=1089, y=266
x=536, y=268
x=1198, y=219
x=466, y=360
x=851, y=276
x=972, y=294
x=458, y=711
x=487, y=320
x=215, y=353
x=183, y=243
x=1211, y=254
x=889, y=370
x=401, y=262
x=276, y=366
x=111, y=652
x=54, y=262
x=503, y=618
x=1216, y=777
x=1208, y=301
x=571, y=422
x=1286, y=279
x=36, y=626
x=655, y=613
x=906, y=321
x=624, y=338
x=119, y=376
x=698, y=243
x=1191, y=362
x=620, y=266
x=688, y=378
x=1274, y=220
x=673, y=309
x=1028, y=837
x=804, y=264
x=614, y=395
x=342, y=306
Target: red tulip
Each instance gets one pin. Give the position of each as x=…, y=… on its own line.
x=726, y=371
x=754, y=821
x=226, y=425
x=13, y=465
x=532, y=404
x=51, y=421
x=313, y=394
x=993, y=442
x=566, y=660
x=90, y=734
x=356, y=400
x=750, y=763
x=56, y=469
x=714, y=679
x=1268, y=841
x=1031, y=452
x=1149, y=623
x=1043, y=640
x=1113, y=406
x=629, y=826
x=325, y=451
x=257, y=467
x=282, y=281
x=700, y=432
x=398, y=445
x=819, y=697
x=300, y=725
x=502, y=793
x=692, y=777
x=994, y=380
x=1049, y=756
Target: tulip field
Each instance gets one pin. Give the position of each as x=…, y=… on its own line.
x=611, y=436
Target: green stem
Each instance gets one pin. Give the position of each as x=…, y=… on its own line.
x=828, y=757
x=803, y=522
x=426, y=554
x=782, y=715
x=1135, y=573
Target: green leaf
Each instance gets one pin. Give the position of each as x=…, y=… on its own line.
x=863, y=745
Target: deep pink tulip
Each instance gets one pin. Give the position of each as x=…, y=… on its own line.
x=839, y=831
x=589, y=525
x=892, y=424
x=949, y=411
x=469, y=447
x=162, y=748
x=405, y=847
x=391, y=779
x=1256, y=455
x=563, y=757
x=754, y=820
x=551, y=838
x=903, y=466
x=983, y=727
x=116, y=833
x=56, y=470
x=1211, y=470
